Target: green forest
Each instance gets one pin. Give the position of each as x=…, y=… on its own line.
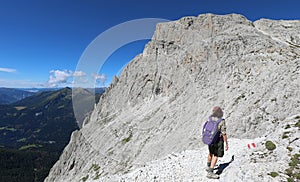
x=25, y=165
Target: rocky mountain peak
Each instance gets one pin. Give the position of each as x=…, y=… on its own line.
x=158, y=104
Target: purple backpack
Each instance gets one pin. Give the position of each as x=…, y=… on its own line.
x=210, y=132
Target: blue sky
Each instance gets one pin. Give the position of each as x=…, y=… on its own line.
x=41, y=42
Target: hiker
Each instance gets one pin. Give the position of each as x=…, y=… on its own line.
x=216, y=147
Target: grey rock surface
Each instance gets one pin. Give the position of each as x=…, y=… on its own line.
x=158, y=104
x=240, y=162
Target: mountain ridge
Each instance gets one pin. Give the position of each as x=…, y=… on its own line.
x=161, y=99
x=30, y=117
x=34, y=131
x=11, y=95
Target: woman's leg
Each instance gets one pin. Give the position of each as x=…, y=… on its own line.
x=213, y=161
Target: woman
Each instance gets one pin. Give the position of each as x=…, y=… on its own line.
x=217, y=149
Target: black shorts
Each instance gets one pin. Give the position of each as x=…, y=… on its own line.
x=217, y=149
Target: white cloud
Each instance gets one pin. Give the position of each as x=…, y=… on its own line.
x=79, y=73
x=8, y=70
x=99, y=78
x=58, y=77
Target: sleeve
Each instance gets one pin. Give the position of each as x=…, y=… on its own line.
x=223, y=127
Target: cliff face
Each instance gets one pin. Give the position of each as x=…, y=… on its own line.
x=159, y=103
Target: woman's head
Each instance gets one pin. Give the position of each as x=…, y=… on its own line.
x=217, y=112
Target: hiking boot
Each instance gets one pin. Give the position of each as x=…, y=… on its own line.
x=212, y=175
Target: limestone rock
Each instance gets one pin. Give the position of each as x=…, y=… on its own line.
x=159, y=103
x=239, y=162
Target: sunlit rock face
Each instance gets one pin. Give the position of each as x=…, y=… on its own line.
x=158, y=105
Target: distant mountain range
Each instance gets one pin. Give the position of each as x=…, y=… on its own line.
x=38, y=121
x=10, y=95
x=39, y=125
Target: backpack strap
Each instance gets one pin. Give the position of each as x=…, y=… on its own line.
x=218, y=121
x=203, y=129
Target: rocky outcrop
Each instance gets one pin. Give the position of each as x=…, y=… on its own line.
x=158, y=104
x=256, y=162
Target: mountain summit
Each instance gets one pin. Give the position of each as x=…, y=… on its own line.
x=157, y=106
